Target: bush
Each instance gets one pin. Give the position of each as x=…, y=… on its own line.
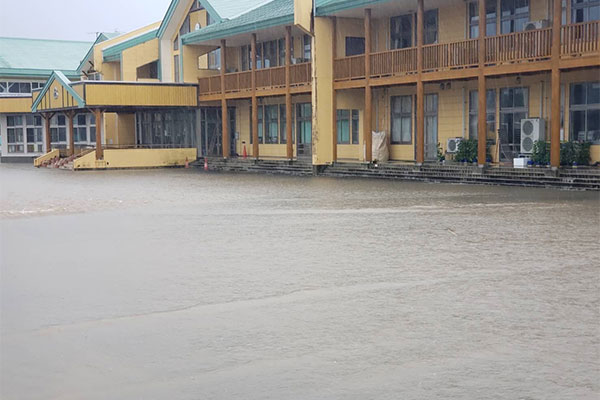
x=541, y=153
x=467, y=151
x=583, y=153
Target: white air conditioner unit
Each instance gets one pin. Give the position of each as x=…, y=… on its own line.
x=532, y=130
x=533, y=25
x=452, y=145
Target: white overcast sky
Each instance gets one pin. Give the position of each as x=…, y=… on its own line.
x=76, y=19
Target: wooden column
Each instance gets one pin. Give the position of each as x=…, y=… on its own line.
x=333, y=92
x=555, y=102
x=224, y=115
x=420, y=90
x=70, y=115
x=368, y=91
x=99, y=151
x=481, y=89
x=288, y=93
x=47, y=120
x=254, y=99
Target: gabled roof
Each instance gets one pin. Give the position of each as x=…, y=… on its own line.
x=113, y=53
x=102, y=36
x=273, y=13
x=21, y=57
x=328, y=7
x=65, y=82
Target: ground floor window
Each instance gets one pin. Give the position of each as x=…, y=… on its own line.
x=347, y=126
x=401, y=120
x=585, y=112
x=14, y=132
x=58, y=130
x=33, y=128
x=271, y=120
x=166, y=129
x=24, y=133
x=304, y=123
x=490, y=114
x=84, y=128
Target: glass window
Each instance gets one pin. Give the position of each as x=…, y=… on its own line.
x=514, y=15
x=343, y=126
x=355, y=126
x=304, y=123
x=270, y=54
x=3, y=87
x=176, y=44
x=401, y=31
x=490, y=114
x=281, y=44
x=176, y=68
x=185, y=28
x=260, y=124
x=490, y=19
x=355, y=46
x=271, y=116
x=282, y=125
x=307, y=48
x=585, y=112
x=401, y=119
x=585, y=10
x=214, y=59
x=431, y=26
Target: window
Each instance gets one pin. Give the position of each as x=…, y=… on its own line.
x=355, y=46
x=282, y=125
x=490, y=19
x=14, y=130
x=431, y=126
x=269, y=54
x=176, y=43
x=34, y=133
x=431, y=26
x=514, y=15
x=585, y=112
x=490, y=114
x=18, y=87
x=272, y=123
x=304, y=123
x=355, y=127
x=307, y=48
x=343, y=126
x=185, y=28
x=281, y=45
x=585, y=10
x=166, y=129
x=80, y=129
x=514, y=105
x=401, y=31
x=176, y=68
x=92, y=128
x=246, y=54
x=58, y=129
x=261, y=111
x=401, y=120
x=214, y=59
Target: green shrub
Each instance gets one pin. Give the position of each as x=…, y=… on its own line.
x=583, y=153
x=541, y=152
x=467, y=151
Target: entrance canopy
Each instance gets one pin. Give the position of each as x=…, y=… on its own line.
x=60, y=94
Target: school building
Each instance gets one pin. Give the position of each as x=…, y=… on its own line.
x=297, y=80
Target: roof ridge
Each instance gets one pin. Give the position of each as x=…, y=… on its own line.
x=47, y=40
x=260, y=4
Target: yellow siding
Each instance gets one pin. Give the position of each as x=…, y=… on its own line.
x=302, y=14
x=322, y=96
x=352, y=100
x=15, y=105
x=140, y=95
x=137, y=56
x=137, y=158
x=63, y=100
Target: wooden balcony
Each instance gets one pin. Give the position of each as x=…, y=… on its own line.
x=522, y=47
x=266, y=79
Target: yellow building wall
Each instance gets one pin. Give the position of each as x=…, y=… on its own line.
x=302, y=14
x=352, y=100
x=140, y=95
x=135, y=57
x=110, y=131
x=322, y=95
x=137, y=158
x=119, y=129
x=15, y=105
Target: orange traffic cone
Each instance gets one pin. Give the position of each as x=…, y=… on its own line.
x=205, y=164
x=187, y=163
x=245, y=153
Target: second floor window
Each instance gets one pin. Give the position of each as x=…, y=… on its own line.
x=401, y=31
x=490, y=19
x=307, y=48
x=514, y=14
x=431, y=27
x=585, y=10
x=214, y=59
x=355, y=46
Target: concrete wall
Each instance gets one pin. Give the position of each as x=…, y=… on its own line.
x=137, y=158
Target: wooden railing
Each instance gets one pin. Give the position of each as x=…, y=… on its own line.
x=349, y=68
x=519, y=46
x=267, y=78
x=459, y=54
x=400, y=61
x=579, y=39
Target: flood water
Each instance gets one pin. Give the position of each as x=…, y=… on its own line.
x=177, y=284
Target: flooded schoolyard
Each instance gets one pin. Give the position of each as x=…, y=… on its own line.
x=177, y=284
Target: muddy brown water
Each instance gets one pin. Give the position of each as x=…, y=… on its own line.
x=176, y=284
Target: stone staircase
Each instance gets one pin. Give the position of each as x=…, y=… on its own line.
x=581, y=178
x=284, y=167
x=66, y=163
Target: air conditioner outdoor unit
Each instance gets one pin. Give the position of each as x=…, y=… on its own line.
x=533, y=25
x=532, y=130
x=452, y=145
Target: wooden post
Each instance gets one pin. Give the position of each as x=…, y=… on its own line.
x=420, y=90
x=481, y=90
x=333, y=92
x=224, y=115
x=99, y=151
x=288, y=93
x=368, y=92
x=70, y=116
x=47, y=120
x=255, y=148
x=555, y=102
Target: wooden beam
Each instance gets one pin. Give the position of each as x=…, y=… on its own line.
x=47, y=120
x=288, y=93
x=368, y=123
x=334, y=131
x=224, y=117
x=255, y=148
x=420, y=92
x=99, y=150
x=70, y=115
x=555, y=82
x=481, y=89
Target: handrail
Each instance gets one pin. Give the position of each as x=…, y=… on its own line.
x=580, y=38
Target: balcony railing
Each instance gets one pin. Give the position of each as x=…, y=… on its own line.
x=535, y=45
x=266, y=78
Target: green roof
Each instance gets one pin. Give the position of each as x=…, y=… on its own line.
x=103, y=36
x=21, y=57
x=113, y=53
x=274, y=13
x=329, y=7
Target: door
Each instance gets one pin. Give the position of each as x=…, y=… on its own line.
x=513, y=108
x=211, y=131
x=431, y=126
x=304, y=130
